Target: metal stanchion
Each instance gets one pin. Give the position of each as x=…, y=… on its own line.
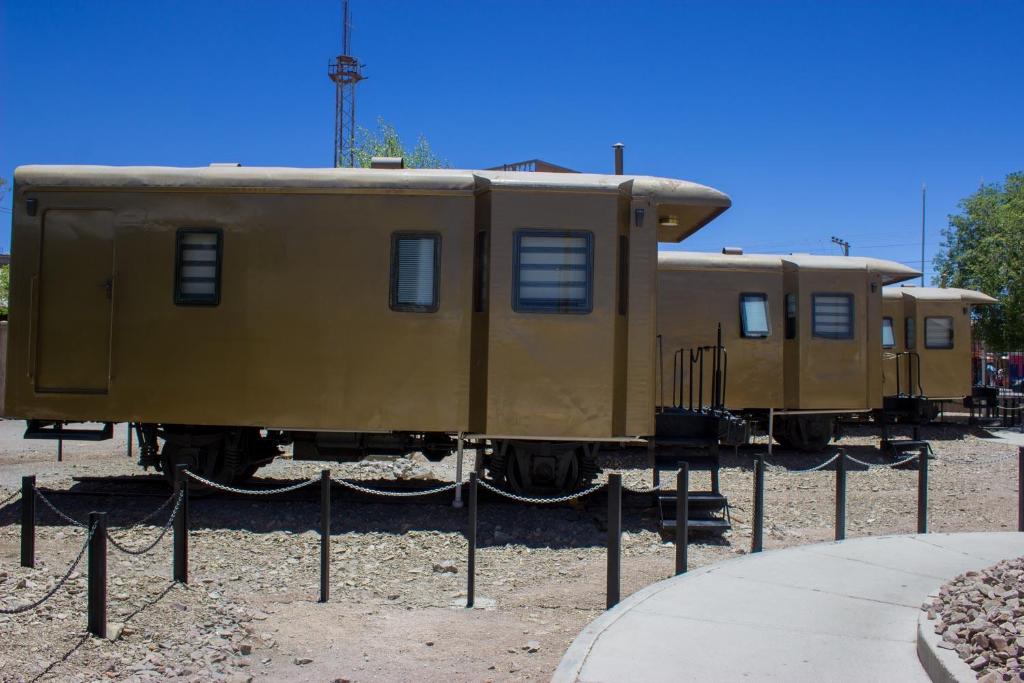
x=1020, y=489
x=460, y=452
x=471, y=537
x=181, y=526
x=757, y=524
x=841, y=496
x=614, y=539
x=325, y=535
x=922, y=490
x=28, y=521
x=682, y=517
x=129, y=440
x=59, y=427
x=97, y=601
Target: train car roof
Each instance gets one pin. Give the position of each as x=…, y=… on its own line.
x=683, y=207
x=968, y=296
x=891, y=271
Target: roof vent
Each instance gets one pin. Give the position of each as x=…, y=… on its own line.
x=733, y=251
x=387, y=162
x=225, y=164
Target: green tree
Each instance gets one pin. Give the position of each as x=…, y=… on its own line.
x=385, y=142
x=983, y=249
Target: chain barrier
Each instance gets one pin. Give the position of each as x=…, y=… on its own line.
x=9, y=498
x=66, y=518
x=987, y=461
x=391, y=494
x=882, y=465
x=253, y=492
x=541, y=501
x=652, y=489
x=64, y=579
x=163, y=532
x=809, y=469
x=151, y=515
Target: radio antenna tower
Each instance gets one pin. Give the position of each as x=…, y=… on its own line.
x=346, y=72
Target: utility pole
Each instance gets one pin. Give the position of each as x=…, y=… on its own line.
x=842, y=243
x=924, y=192
x=346, y=72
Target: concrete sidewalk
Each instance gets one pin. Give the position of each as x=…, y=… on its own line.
x=828, y=612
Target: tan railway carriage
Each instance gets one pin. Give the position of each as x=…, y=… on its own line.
x=229, y=310
x=801, y=334
x=926, y=348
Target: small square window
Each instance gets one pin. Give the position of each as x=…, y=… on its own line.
x=833, y=316
x=414, y=271
x=553, y=271
x=938, y=332
x=888, y=335
x=754, y=315
x=197, y=267
x=909, y=333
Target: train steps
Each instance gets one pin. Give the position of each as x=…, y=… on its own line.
x=709, y=513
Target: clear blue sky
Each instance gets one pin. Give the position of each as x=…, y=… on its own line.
x=818, y=119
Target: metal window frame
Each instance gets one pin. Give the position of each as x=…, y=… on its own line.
x=909, y=333
x=763, y=297
x=892, y=329
x=552, y=305
x=182, y=299
x=952, y=332
x=791, y=330
x=853, y=316
x=436, y=287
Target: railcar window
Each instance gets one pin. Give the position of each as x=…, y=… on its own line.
x=414, y=271
x=754, y=315
x=938, y=332
x=480, y=267
x=197, y=267
x=791, y=316
x=833, y=316
x=909, y=333
x=553, y=271
x=888, y=336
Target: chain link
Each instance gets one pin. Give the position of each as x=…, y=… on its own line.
x=252, y=492
x=59, y=584
x=163, y=532
x=652, y=489
x=882, y=465
x=68, y=519
x=392, y=494
x=986, y=461
x=541, y=501
x=11, y=497
x=809, y=469
x=151, y=515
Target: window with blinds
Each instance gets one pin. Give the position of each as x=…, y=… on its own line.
x=833, y=316
x=888, y=335
x=754, y=315
x=553, y=272
x=197, y=267
x=938, y=332
x=414, y=272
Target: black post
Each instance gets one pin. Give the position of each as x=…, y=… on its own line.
x=59, y=427
x=129, y=440
x=682, y=517
x=28, y=521
x=841, y=496
x=922, y=490
x=325, y=535
x=471, y=537
x=181, y=526
x=1020, y=489
x=757, y=526
x=97, y=604
x=614, y=539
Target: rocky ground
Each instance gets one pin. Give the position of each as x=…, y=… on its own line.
x=980, y=615
x=398, y=577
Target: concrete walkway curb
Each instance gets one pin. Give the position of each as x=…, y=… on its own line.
x=843, y=611
x=941, y=665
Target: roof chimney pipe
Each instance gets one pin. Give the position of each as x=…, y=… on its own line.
x=618, y=157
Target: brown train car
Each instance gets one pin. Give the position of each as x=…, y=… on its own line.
x=926, y=349
x=800, y=334
x=226, y=311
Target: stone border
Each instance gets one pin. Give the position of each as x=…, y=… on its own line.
x=941, y=665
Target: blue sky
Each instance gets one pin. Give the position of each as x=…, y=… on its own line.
x=818, y=119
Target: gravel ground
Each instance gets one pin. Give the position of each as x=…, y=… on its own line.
x=980, y=616
x=398, y=569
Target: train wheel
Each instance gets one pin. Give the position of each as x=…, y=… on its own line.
x=205, y=459
x=543, y=469
x=807, y=433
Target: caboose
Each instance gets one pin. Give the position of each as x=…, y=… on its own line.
x=226, y=311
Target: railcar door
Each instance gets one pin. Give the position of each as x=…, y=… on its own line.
x=75, y=294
